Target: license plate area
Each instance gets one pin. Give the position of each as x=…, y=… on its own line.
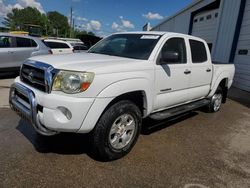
x=20, y=103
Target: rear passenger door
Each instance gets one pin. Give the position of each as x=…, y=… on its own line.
x=23, y=50
x=201, y=70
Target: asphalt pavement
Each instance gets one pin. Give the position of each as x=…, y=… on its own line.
x=197, y=150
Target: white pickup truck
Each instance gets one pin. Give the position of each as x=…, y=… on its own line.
x=108, y=90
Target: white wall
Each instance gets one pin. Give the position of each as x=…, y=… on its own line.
x=180, y=22
x=206, y=29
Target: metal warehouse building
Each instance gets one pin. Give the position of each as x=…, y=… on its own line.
x=225, y=25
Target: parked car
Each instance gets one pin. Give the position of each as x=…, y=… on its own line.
x=122, y=79
x=77, y=44
x=59, y=46
x=14, y=49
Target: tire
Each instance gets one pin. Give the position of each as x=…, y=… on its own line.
x=117, y=131
x=216, y=101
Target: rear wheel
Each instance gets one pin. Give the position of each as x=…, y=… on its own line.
x=216, y=101
x=116, y=131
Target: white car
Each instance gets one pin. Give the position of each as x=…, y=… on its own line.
x=122, y=79
x=59, y=46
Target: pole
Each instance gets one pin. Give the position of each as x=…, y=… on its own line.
x=70, y=23
x=73, y=28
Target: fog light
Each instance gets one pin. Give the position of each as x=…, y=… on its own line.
x=65, y=112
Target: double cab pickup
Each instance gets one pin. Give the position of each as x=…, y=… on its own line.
x=124, y=78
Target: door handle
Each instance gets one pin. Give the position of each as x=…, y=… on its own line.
x=208, y=70
x=187, y=72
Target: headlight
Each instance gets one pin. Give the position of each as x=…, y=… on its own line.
x=72, y=82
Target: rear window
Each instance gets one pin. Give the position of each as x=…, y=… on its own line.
x=24, y=42
x=198, y=50
x=56, y=45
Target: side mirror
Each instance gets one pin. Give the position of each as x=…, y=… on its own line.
x=170, y=57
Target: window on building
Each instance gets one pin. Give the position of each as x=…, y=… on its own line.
x=195, y=20
x=209, y=17
x=201, y=19
x=198, y=50
x=176, y=45
x=216, y=14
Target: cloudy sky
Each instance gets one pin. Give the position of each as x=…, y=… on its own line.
x=104, y=16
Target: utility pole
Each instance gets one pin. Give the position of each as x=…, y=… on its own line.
x=70, y=22
x=73, y=27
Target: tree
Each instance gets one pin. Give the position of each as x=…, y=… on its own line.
x=82, y=32
x=58, y=24
x=91, y=33
x=18, y=18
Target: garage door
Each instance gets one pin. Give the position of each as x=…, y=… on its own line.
x=205, y=24
x=242, y=56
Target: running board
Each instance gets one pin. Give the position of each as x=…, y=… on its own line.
x=179, y=110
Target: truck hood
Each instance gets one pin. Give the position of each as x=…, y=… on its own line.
x=97, y=63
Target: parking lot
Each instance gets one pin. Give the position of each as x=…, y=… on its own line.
x=195, y=150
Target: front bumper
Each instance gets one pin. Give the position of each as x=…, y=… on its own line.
x=22, y=100
x=47, y=112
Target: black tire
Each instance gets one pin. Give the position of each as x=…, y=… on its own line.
x=102, y=147
x=214, y=106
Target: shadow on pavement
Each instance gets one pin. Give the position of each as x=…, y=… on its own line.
x=64, y=143
x=76, y=144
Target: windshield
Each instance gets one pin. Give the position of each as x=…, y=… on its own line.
x=137, y=46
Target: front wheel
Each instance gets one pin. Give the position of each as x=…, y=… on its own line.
x=116, y=131
x=216, y=101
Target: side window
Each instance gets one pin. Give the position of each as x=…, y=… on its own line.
x=198, y=51
x=33, y=43
x=176, y=47
x=80, y=47
x=6, y=42
x=22, y=42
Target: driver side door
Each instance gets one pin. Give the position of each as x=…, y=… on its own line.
x=172, y=76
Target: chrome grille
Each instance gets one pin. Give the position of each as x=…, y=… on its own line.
x=34, y=77
x=38, y=75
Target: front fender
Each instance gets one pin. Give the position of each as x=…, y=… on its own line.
x=129, y=85
x=111, y=92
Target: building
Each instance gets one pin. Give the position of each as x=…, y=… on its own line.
x=225, y=25
x=4, y=29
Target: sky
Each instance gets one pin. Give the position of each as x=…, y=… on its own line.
x=104, y=17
